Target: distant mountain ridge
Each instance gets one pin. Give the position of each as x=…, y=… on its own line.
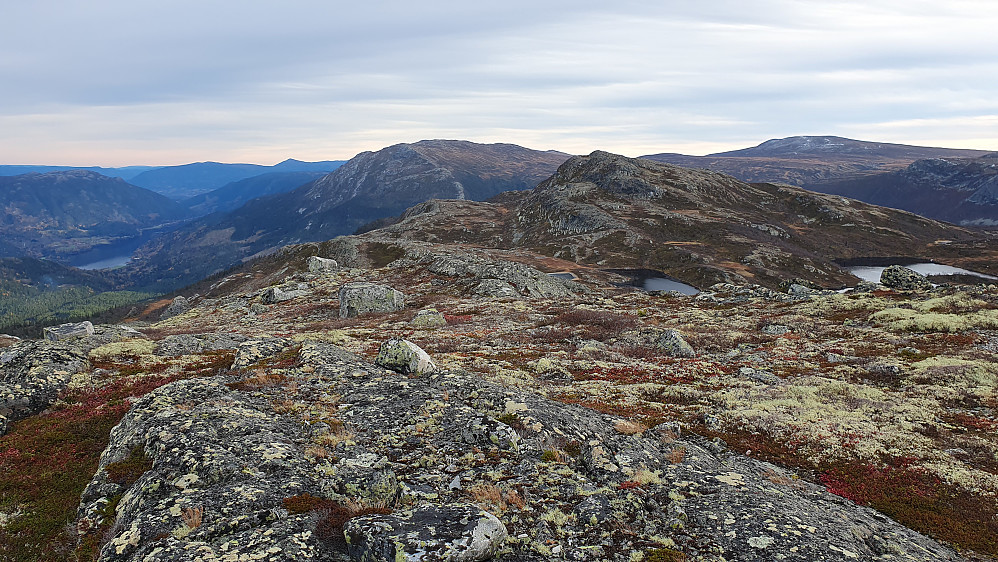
x=830, y=164
x=238, y=193
x=370, y=186
x=60, y=214
x=189, y=180
x=125, y=172
x=958, y=190
x=807, y=146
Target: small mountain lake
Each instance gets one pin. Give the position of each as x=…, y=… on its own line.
x=872, y=272
x=652, y=280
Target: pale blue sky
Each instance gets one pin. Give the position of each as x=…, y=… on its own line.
x=115, y=82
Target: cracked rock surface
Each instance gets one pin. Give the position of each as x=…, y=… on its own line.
x=532, y=479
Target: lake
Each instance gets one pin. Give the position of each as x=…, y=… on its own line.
x=872, y=273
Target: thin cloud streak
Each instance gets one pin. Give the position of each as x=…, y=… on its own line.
x=113, y=82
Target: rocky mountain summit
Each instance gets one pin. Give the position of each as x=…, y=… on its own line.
x=551, y=418
x=370, y=186
x=697, y=226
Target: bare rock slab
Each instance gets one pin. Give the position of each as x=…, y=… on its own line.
x=452, y=533
x=364, y=298
x=68, y=331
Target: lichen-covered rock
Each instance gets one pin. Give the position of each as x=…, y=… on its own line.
x=672, y=342
x=216, y=451
x=567, y=487
x=451, y=533
x=428, y=318
x=253, y=351
x=363, y=298
x=495, y=278
x=275, y=295
x=32, y=373
x=902, y=278
x=321, y=265
x=68, y=331
x=367, y=477
x=496, y=288
x=179, y=306
x=404, y=357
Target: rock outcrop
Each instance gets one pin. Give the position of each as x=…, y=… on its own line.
x=69, y=331
x=179, y=305
x=257, y=477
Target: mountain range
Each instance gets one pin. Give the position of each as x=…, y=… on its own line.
x=698, y=226
x=189, y=180
x=370, y=186
x=880, y=173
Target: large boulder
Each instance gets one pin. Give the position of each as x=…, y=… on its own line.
x=361, y=298
x=275, y=295
x=899, y=277
x=454, y=533
x=404, y=357
x=179, y=306
x=321, y=265
x=428, y=318
x=69, y=331
x=672, y=343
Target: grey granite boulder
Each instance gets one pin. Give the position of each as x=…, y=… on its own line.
x=899, y=277
x=364, y=298
x=179, y=306
x=404, y=357
x=275, y=295
x=321, y=265
x=672, y=342
x=453, y=533
x=428, y=318
x=69, y=331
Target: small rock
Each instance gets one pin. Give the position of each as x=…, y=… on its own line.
x=321, y=265
x=67, y=331
x=775, y=329
x=179, y=306
x=428, y=318
x=759, y=375
x=899, y=277
x=457, y=533
x=672, y=342
x=363, y=298
x=404, y=357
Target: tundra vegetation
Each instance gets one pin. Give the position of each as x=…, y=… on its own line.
x=886, y=398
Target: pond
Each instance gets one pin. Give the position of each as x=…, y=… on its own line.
x=652, y=280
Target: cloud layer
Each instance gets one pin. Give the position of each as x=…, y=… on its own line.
x=113, y=82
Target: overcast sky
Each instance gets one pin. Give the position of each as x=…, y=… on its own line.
x=118, y=82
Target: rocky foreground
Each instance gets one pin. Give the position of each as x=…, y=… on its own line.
x=467, y=406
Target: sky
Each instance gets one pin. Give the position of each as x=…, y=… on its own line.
x=133, y=82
